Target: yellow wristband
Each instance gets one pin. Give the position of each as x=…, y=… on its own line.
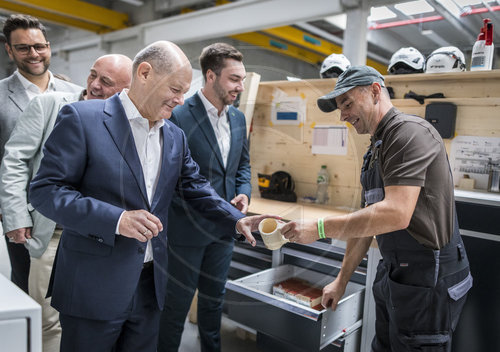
x=321, y=228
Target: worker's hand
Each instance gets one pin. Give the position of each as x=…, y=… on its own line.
x=139, y=224
x=246, y=225
x=301, y=231
x=240, y=202
x=19, y=235
x=332, y=293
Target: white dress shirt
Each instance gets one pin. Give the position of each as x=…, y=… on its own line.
x=149, y=146
x=32, y=89
x=220, y=124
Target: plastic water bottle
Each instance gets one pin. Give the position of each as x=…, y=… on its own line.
x=322, y=182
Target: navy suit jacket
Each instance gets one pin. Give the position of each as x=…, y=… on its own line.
x=89, y=175
x=187, y=226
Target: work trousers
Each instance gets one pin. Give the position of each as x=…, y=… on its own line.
x=412, y=315
x=38, y=281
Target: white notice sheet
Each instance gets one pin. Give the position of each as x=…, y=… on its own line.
x=329, y=140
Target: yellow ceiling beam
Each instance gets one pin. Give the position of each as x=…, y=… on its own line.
x=306, y=40
x=315, y=43
x=73, y=13
x=259, y=39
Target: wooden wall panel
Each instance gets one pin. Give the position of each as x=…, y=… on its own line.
x=288, y=148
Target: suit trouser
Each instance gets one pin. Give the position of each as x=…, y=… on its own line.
x=20, y=264
x=136, y=330
x=189, y=268
x=39, y=277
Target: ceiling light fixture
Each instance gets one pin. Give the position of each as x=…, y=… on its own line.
x=412, y=8
x=380, y=13
x=134, y=2
x=339, y=21
x=452, y=7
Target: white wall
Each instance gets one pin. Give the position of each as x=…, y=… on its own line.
x=4, y=257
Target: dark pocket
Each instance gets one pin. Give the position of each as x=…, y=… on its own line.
x=427, y=342
x=84, y=245
x=409, y=306
x=458, y=295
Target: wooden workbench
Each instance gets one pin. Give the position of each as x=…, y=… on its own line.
x=292, y=211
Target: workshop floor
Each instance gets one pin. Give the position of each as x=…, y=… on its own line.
x=233, y=338
x=4, y=257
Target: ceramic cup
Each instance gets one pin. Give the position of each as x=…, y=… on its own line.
x=270, y=230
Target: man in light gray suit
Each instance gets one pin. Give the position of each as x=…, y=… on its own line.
x=109, y=74
x=28, y=47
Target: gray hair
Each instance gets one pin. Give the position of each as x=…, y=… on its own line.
x=159, y=55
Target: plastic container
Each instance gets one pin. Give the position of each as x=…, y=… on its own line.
x=483, y=49
x=322, y=181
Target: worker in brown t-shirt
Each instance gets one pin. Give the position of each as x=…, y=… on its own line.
x=407, y=203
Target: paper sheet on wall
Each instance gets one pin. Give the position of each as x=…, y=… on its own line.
x=469, y=155
x=286, y=110
x=329, y=140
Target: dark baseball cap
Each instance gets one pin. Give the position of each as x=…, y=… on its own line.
x=354, y=76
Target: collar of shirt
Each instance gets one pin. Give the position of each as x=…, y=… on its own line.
x=82, y=95
x=381, y=125
x=220, y=125
x=210, y=108
x=28, y=85
x=134, y=115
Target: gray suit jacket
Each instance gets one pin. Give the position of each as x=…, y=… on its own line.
x=23, y=153
x=13, y=101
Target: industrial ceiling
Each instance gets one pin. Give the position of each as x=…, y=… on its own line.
x=423, y=24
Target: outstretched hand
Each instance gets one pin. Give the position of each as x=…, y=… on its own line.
x=246, y=225
x=301, y=231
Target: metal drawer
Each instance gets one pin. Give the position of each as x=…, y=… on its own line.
x=250, y=302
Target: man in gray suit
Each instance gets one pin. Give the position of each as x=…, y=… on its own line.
x=28, y=47
x=109, y=74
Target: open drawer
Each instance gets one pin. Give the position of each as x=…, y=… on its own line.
x=250, y=302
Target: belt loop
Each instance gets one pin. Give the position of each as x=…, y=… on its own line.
x=461, y=251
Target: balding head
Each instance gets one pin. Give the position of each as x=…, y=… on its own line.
x=161, y=75
x=163, y=56
x=110, y=74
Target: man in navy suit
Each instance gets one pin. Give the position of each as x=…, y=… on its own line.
x=109, y=172
x=199, y=249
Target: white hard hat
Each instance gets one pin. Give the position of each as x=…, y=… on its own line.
x=445, y=59
x=406, y=60
x=334, y=65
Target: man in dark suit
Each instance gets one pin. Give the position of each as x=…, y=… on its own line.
x=108, y=175
x=27, y=46
x=23, y=152
x=199, y=249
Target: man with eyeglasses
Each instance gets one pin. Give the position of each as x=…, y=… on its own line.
x=28, y=47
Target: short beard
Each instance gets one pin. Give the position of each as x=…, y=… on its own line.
x=221, y=94
x=23, y=67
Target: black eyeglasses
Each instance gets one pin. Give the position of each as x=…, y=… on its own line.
x=24, y=49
